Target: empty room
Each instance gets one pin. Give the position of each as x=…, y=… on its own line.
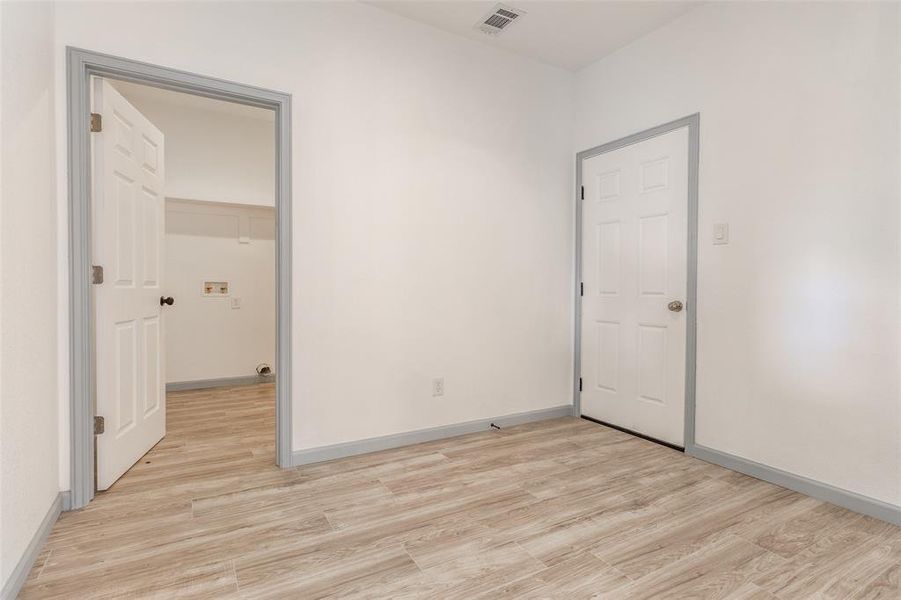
x=450, y=299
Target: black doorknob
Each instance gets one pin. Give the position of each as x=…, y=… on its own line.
x=167, y=300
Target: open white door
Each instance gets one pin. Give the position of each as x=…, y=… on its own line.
x=634, y=273
x=128, y=228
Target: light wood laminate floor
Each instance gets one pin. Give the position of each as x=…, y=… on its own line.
x=557, y=509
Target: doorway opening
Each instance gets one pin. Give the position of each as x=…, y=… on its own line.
x=636, y=283
x=184, y=229
x=169, y=258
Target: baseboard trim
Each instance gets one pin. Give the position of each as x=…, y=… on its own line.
x=17, y=578
x=324, y=453
x=201, y=384
x=816, y=489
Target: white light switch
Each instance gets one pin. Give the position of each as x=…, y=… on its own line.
x=236, y=303
x=720, y=233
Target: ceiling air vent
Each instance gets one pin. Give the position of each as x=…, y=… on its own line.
x=499, y=19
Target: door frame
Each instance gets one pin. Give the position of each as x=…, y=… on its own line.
x=692, y=122
x=81, y=65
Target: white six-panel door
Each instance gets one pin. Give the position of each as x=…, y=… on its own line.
x=634, y=247
x=127, y=230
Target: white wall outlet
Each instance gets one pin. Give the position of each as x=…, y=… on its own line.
x=438, y=386
x=236, y=303
x=720, y=233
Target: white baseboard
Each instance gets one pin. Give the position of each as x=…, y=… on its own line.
x=323, y=453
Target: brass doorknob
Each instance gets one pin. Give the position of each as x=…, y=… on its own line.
x=675, y=306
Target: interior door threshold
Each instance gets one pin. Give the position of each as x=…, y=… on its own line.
x=635, y=433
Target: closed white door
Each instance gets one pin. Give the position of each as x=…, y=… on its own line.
x=128, y=228
x=634, y=274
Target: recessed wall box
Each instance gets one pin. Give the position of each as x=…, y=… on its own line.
x=215, y=288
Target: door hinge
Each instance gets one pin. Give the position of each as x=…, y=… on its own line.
x=583, y=190
x=581, y=288
x=96, y=123
x=99, y=425
x=96, y=274
x=580, y=384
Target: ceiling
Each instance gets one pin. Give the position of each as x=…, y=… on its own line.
x=136, y=93
x=564, y=33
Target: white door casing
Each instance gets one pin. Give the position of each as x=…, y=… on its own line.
x=128, y=225
x=634, y=263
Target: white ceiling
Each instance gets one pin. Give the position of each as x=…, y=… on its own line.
x=135, y=93
x=565, y=33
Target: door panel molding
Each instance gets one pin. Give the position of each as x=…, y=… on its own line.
x=127, y=317
x=81, y=65
x=692, y=122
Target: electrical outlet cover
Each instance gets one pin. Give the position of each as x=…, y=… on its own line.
x=720, y=233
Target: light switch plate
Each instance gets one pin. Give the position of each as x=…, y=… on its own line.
x=720, y=233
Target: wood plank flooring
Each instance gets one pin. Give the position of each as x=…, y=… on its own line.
x=557, y=509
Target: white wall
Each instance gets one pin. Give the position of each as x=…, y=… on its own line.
x=431, y=197
x=798, y=321
x=220, y=180
x=212, y=154
x=28, y=294
x=205, y=337
x=429, y=234
x=429, y=176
